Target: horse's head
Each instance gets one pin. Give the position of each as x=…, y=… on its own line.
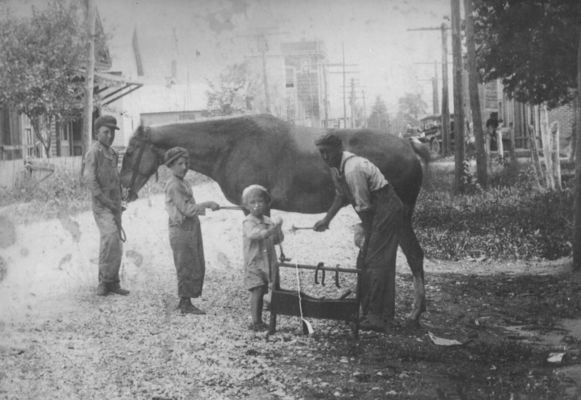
x=139, y=162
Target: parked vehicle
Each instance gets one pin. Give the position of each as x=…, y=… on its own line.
x=431, y=127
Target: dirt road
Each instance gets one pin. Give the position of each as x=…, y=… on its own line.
x=59, y=340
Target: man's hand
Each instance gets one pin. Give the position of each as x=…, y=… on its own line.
x=321, y=225
x=212, y=205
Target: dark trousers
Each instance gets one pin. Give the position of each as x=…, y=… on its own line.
x=110, y=246
x=188, y=255
x=378, y=257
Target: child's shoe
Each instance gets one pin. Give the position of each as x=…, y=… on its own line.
x=258, y=327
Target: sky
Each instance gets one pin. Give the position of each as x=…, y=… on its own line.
x=204, y=36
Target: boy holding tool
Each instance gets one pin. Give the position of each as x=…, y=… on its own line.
x=185, y=236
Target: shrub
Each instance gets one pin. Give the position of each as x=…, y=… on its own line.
x=509, y=220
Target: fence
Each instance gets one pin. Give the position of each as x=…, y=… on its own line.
x=14, y=172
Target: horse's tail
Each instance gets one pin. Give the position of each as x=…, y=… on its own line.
x=422, y=150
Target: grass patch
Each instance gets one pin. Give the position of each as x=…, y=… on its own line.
x=509, y=220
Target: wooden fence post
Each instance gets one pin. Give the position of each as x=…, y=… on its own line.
x=556, y=156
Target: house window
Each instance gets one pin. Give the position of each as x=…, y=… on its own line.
x=29, y=142
x=5, y=137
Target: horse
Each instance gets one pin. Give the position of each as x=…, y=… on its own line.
x=262, y=149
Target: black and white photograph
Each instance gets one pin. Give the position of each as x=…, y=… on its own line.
x=290, y=200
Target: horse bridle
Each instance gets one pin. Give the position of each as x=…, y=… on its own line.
x=135, y=172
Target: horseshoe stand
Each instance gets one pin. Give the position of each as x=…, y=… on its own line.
x=289, y=302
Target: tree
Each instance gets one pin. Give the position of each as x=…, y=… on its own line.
x=234, y=91
x=41, y=66
x=411, y=107
x=473, y=80
x=531, y=46
x=378, y=119
x=534, y=46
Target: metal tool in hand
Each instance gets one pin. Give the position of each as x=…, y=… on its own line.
x=232, y=208
x=293, y=228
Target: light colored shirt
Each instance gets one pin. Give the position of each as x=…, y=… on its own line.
x=355, y=179
x=179, y=201
x=258, y=244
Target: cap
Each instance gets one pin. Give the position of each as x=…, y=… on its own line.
x=106, y=120
x=173, y=154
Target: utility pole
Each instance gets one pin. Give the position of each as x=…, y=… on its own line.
x=434, y=82
x=344, y=73
x=344, y=88
x=260, y=35
x=262, y=48
x=364, y=109
x=89, y=82
x=445, y=105
x=352, y=102
x=458, y=99
x=445, y=109
x=435, y=103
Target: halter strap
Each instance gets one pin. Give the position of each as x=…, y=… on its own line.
x=146, y=141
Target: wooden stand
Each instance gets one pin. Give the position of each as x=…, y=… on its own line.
x=286, y=302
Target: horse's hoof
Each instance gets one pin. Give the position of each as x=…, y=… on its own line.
x=412, y=324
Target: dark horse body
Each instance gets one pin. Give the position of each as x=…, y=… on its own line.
x=262, y=149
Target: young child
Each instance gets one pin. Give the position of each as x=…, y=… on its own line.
x=185, y=236
x=260, y=234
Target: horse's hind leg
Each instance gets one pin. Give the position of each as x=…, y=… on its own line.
x=415, y=257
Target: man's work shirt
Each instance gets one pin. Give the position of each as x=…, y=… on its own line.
x=356, y=179
x=102, y=174
x=179, y=202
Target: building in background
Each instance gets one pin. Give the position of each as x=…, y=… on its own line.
x=305, y=82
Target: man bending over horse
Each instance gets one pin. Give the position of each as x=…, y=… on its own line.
x=360, y=183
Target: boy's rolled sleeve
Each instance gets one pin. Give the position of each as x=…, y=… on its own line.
x=182, y=202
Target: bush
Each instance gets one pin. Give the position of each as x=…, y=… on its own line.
x=510, y=220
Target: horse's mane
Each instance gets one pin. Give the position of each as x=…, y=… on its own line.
x=231, y=127
x=143, y=132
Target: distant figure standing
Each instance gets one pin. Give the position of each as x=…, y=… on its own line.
x=103, y=181
x=491, y=127
x=185, y=235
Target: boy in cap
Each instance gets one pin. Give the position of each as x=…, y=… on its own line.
x=185, y=235
x=360, y=183
x=259, y=235
x=103, y=182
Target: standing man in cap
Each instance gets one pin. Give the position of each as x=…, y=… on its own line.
x=360, y=183
x=103, y=181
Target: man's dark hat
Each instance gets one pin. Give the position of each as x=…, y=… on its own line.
x=329, y=139
x=106, y=120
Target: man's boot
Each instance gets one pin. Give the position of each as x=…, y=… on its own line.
x=186, y=307
x=102, y=289
x=115, y=288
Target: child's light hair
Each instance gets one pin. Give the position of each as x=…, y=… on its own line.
x=251, y=190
